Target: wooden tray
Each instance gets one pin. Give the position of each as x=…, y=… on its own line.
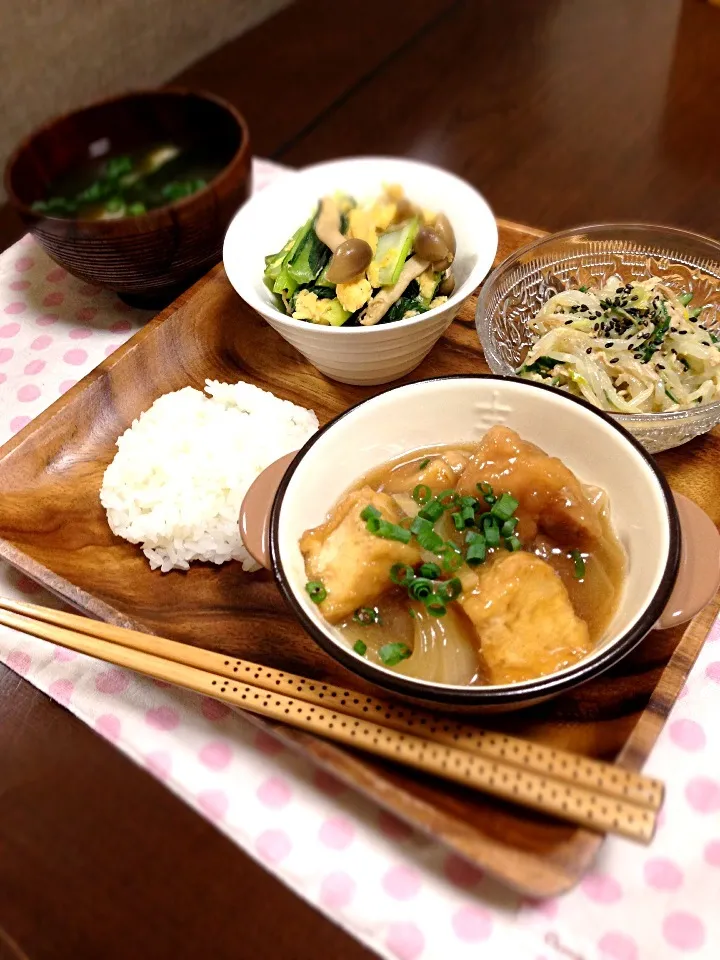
x=53, y=528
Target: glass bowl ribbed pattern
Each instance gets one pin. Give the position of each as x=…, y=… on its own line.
x=590, y=255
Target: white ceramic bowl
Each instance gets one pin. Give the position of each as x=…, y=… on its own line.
x=361, y=355
x=454, y=409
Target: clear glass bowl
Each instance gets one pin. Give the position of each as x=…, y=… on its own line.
x=514, y=292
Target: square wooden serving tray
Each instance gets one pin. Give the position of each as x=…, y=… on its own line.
x=53, y=528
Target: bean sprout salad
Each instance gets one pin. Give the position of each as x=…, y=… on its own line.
x=629, y=348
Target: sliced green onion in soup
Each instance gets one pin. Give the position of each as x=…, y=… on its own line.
x=389, y=531
x=579, y=562
x=316, y=591
x=451, y=557
x=402, y=574
x=420, y=588
x=504, y=507
x=360, y=647
x=421, y=494
x=491, y=530
x=449, y=590
x=366, y=616
x=392, y=653
x=369, y=512
x=432, y=511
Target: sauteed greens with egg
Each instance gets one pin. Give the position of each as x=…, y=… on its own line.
x=356, y=264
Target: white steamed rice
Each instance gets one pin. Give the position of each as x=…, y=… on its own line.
x=182, y=469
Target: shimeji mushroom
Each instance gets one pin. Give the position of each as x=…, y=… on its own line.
x=379, y=305
x=350, y=257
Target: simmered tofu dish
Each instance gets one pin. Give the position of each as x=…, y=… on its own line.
x=484, y=563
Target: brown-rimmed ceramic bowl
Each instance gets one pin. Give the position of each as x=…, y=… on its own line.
x=151, y=258
x=672, y=546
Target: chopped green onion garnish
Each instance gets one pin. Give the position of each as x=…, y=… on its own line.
x=432, y=511
x=449, y=590
x=366, y=616
x=430, y=571
x=360, y=647
x=477, y=552
x=422, y=493
x=487, y=491
x=424, y=463
x=583, y=289
x=401, y=574
x=685, y=298
x=468, y=516
x=431, y=541
x=469, y=502
x=491, y=530
x=420, y=526
x=370, y=511
x=372, y=524
x=393, y=653
x=389, y=531
x=447, y=498
x=459, y=521
x=513, y=543
x=577, y=559
x=508, y=528
x=420, y=588
x=316, y=591
x=504, y=507
x=451, y=557
x=436, y=609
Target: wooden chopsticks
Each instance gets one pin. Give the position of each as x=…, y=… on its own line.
x=574, y=788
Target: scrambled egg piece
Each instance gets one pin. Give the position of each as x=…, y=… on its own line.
x=382, y=214
x=427, y=282
x=354, y=294
x=437, y=302
x=362, y=227
x=309, y=307
x=373, y=271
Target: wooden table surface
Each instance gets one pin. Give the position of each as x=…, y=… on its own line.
x=561, y=112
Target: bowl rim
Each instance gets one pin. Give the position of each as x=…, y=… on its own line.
x=496, y=695
x=678, y=232
x=150, y=218
x=268, y=311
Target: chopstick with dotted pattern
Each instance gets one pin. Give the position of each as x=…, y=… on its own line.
x=595, y=795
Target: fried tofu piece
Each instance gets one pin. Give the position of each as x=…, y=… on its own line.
x=549, y=495
x=353, y=564
x=440, y=474
x=523, y=617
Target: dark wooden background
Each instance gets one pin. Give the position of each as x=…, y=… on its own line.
x=562, y=112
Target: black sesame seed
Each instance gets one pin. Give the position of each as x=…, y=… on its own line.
x=567, y=322
x=615, y=360
x=673, y=329
x=608, y=345
x=589, y=350
x=620, y=290
x=660, y=366
x=682, y=332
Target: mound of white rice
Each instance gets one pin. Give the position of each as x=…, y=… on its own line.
x=182, y=469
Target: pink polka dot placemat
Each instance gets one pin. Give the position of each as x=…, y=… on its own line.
x=399, y=892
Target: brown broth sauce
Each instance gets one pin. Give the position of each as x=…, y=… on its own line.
x=594, y=598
